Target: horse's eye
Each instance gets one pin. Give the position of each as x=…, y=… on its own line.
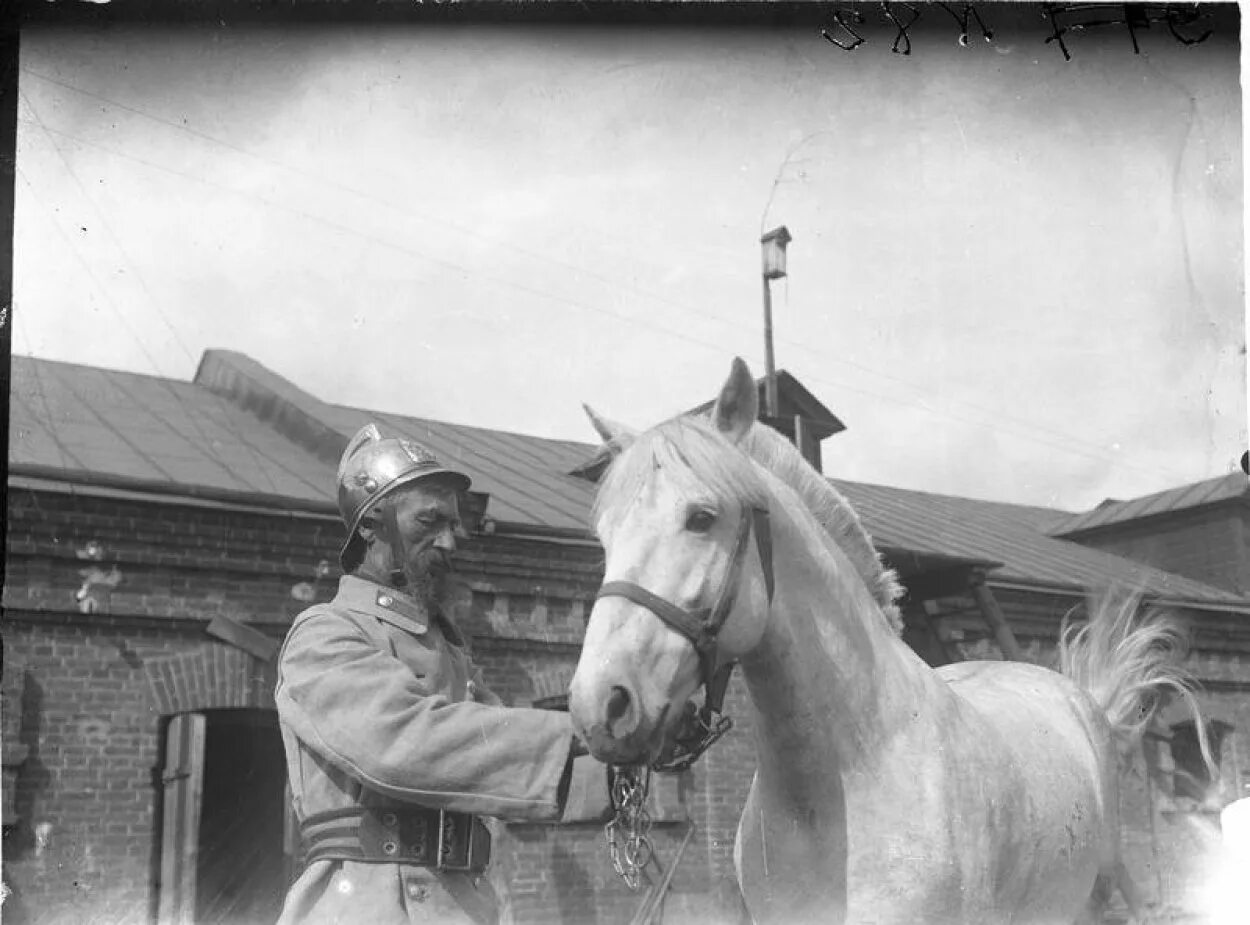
x=700, y=520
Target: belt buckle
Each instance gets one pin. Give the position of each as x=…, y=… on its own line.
x=446, y=833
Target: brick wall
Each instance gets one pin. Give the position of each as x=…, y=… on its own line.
x=93, y=671
x=90, y=708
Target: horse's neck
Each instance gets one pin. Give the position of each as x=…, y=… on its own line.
x=830, y=681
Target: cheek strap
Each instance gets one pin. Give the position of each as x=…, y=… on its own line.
x=395, y=540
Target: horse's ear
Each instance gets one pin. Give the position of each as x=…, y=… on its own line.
x=615, y=436
x=738, y=404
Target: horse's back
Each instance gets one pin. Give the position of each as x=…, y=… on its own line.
x=1059, y=750
x=1030, y=706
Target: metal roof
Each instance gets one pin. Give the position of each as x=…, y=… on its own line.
x=1235, y=485
x=119, y=425
x=116, y=429
x=1012, y=535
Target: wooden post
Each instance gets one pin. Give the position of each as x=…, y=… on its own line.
x=994, y=618
x=770, y=367
x=8, y=174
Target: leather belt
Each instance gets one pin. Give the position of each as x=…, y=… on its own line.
x=438, y=839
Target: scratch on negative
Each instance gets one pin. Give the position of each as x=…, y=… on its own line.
x=764, y=843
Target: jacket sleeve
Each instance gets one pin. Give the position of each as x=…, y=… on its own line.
x=482, y=693
x=361, y=709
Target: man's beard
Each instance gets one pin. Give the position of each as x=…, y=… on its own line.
x=427, y=573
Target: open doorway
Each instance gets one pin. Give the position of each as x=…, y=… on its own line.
x=224, y=845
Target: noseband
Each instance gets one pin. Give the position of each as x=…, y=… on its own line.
x=702, y=627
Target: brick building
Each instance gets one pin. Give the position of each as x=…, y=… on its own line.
x=1200, y=530
x=162, y=535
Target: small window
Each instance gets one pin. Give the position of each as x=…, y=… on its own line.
x=1191, y=778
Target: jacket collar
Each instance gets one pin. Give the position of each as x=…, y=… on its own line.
x=375, y=600
x=395, y=607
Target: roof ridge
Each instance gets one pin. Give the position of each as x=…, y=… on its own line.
x=965, y=498
x=1227, y=487
x=87, y=367
x=573, y=444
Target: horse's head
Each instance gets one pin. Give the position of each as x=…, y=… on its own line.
x=685, y=585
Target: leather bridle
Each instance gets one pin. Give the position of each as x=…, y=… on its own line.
x=702, y=627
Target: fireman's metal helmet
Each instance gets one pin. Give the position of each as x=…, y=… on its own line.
x=372, y=467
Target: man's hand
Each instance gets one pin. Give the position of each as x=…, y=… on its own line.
x=687, y=727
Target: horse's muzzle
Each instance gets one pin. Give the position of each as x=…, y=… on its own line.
x=610, y=722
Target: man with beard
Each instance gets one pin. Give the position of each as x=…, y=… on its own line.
x=394, y=745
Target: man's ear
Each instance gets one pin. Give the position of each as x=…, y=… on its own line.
x=368, y=528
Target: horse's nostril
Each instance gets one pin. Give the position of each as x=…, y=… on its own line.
x=618, y=704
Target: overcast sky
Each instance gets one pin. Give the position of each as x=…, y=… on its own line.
x=1012, y=277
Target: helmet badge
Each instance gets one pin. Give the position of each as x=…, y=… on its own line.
x=418, y=454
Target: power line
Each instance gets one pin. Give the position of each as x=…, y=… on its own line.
x=108, y=229
x=443, y=223
x=392, y=245
x=914, y=404
x=165, y=383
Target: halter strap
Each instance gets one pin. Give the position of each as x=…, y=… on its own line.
x=693, y=624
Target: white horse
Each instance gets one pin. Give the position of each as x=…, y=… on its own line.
x=885, y=791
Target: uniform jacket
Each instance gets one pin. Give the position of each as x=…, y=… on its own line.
x=378, y=702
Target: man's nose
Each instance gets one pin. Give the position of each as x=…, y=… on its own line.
x=446, y=540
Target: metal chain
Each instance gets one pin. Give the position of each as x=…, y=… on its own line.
x=628, y=832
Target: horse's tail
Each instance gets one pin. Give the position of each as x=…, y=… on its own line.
x=1127, y=664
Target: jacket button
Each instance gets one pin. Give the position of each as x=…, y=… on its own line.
x=385, y=600
x=389, y=820
x=389, y=847
x=418, y=892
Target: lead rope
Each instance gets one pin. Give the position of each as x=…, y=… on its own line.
x=628, y=832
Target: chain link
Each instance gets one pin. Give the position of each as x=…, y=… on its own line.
x=628, y=832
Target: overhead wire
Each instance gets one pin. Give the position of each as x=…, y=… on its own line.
x=1096, y=451
x=1022, y=430
x=441, y=222
x=188, y=414
x=165, y=382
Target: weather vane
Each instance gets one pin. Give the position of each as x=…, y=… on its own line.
x=1063, y=18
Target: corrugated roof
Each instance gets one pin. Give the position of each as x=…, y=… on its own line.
x=1211, y=491
x=120, y=426
x=148, y=429
x=1012, y=535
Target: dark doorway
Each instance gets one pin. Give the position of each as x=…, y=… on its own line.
x=241, y=868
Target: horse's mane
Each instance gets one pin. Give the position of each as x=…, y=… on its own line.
x=693, y=445
x=831, y=510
